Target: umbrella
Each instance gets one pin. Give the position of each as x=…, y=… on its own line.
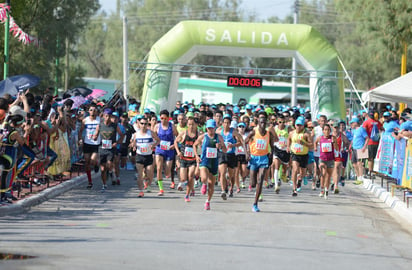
x=79, y=91
x=12, y=85
x=77, y=101
x=97, y=93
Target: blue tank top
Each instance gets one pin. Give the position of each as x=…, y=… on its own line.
x=229, y=139
x=209, y=147
x=166, y=137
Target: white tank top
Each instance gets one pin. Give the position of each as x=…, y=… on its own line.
x=90, y=127
x=144, y=143
x=318, y=133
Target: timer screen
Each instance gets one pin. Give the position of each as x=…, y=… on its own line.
x=237, y=81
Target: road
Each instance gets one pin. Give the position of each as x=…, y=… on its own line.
x=85, y=229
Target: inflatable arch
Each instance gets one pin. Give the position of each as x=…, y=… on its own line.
x=189, y=38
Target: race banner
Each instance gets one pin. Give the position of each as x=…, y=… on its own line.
x=407, y=169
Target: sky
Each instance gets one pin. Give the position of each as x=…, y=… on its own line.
x=263, y=8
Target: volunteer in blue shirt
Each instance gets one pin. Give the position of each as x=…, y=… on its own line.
x=359, y=147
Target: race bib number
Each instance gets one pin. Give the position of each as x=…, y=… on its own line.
x=189, y=152
x=298, y=148
x=337, y=154
x=282, y=142
x=164, y=145
x=326, y=147
x=240, y=150
x=211, y=152
x=90, y=135
x=144, y=148
x=107, y=144
x=260, y=144
x=227, y=145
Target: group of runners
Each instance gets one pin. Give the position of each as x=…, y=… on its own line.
x=211, y=145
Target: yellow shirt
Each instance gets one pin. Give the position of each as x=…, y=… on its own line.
x=297, y=148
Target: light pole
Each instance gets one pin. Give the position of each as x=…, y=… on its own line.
x=57, y=13
x=6, y=41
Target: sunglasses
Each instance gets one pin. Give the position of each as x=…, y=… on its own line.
x=145, y=124
x=241, y=127
x=280, y=122
x=91, y=110
x=163, y=118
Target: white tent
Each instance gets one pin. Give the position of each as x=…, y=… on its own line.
x=398, y=90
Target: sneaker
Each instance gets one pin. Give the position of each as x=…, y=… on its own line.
x=332, y=187
x=305, y=180
x=326, y=195
x=313, y=186
x=141, y=194
x=172, y=185
x=318, y=184
x=260, y=198
x=294, y=193
x=322, y=193
x=238, y=190
x=179, y=187
x=242, y=185
x=192, y=193
x=90, y=185
x=223, y=195
x=96, y=169
x=203, y=190
x=277, y=189
x=113, y=183
x=160, y=192
x=255, y=208
x=196, y=184
x=336, y=191
x=118, y=182
x=207, y=205
x=148, y=189
x=104, y=187
x=299, y=186
x=250, y=188
x=187, y=198
x=231, y=193
x=342, y=183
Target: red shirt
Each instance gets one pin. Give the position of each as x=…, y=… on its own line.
x=368, y=124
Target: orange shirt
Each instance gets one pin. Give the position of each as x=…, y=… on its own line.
x=259, y=146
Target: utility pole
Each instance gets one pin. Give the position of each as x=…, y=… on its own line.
x=294, y=91
x=6, y=41
x=67, y=67
x=125, y=60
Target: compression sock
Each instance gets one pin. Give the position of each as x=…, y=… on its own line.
x=160, y=183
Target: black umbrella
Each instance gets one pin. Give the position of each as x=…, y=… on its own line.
x=12, y=85
x=79, y=91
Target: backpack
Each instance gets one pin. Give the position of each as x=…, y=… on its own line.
x=375, y=132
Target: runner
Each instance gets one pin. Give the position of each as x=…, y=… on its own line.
x=144, y=142
x=316, y=133
x=108, y=131
x=228, y=161
x=342, y=143
x=165, y=152
x=327, y=145
x=280, y=155
x=184, y=148
x=372, y=144
x=298, y=144
x=242, y=159
x=91, y=141
x=259, y=140
x=210, y=142
x=114, y=118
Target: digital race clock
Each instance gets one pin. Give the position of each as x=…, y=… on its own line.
x=238, y=81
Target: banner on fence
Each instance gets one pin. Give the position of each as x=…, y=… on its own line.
x=407, y=169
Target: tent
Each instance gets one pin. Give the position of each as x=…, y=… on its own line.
x=398, y=90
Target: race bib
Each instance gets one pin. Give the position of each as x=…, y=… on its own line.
x=107, y=144
x=240, y=150
x=337, y=154
x=124, y=139
x=211, y=152
x=260, y=144
x=90, y=135
x=282, y=142
x=297, y=148
x=189, y=152
x=227, y=145
x=165, y=145
x=326, y=147
x=144, y=148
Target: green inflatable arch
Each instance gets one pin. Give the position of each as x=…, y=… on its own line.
x=189, y=38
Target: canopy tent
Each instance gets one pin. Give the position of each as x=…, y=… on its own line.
x=398, y=90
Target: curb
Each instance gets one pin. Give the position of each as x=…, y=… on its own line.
x=47, y=194
x=393, y=202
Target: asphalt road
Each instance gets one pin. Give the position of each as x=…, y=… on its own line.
x=87, y=229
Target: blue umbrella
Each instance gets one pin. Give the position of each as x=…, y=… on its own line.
x=12, y=85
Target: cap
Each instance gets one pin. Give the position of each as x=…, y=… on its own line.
x=236, y=109
x=176, y=112
x=132, y=107
x=354, y=120
x=190, y=115
x=107, y=111
x=386, y=114
x=241, y=124
x=300, y=121
x=248, y=107
x=269, y=110
x=210, y=123
x=227, y=116
x=17, y=110
x=147, y=110
x=233, y=124
x=115, y=114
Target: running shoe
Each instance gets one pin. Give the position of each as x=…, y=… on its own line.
x=180, y=187
x=322, y=193
x=255, y=208
x=90, y=185
x=305, y=180
x=148, y=189
x=203, y=190
x=250, y=189
x=192, y=193
x=342, y=182
x=318, y=183
x=336, y=191
x=223, y=195
x=207, y=205
x=161, y=192
x=294, y=193
x=299, y=185
x=313, y=186
x=277, y=189
x=242, y=185
x=172, y=185
x=113, y=183
x=141, y=194
x=267, y=184
x=187, y=198
x=332, y=187
x=231, y=193
x=238, y=190
x=196, y=184
x=104, y=187
x=326, y=195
